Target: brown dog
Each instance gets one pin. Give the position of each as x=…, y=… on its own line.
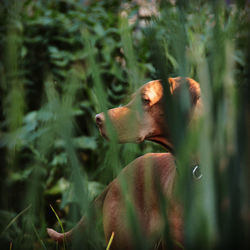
x=146, y=179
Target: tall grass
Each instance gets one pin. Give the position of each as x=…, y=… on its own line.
x=44, y=160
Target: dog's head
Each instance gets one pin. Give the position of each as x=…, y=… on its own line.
x=143, y=117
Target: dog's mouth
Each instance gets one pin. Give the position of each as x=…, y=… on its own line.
x=138, y=139
x=104, y=136
x=103, y=132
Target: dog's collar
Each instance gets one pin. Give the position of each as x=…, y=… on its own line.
x=163, y=142
x=196, y=172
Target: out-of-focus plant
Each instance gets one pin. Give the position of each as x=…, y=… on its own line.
x=45, y=57
x=54, y=56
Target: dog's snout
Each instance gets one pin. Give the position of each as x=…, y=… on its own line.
x=99, y=119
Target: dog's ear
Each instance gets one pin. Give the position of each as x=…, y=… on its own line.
x=173, y=82
x=193, y=87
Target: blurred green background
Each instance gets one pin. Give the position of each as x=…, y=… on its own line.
x=63, y=61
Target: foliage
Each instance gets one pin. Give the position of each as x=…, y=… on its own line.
x=65, y=61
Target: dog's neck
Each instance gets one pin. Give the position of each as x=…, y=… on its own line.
x=194, y=163
x=164, y=142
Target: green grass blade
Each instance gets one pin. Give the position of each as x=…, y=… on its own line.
x=15, y=219
x=60, y=223
x=38, y=237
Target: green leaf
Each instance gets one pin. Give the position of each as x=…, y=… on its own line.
x=94, y=189
x=85, y=142
x=22, y=175
x=60, y=159
x=61, y=186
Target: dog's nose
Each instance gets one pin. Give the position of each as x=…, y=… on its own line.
x=99, y=119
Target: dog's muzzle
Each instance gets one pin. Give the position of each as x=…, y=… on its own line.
x=100, y=122
x=99, y=119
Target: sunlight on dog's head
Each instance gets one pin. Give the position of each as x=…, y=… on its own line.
x=143, y=117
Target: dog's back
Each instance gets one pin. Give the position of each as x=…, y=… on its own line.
x=145, y=186
x=148, y=186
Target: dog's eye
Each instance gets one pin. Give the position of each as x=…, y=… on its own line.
x=145, y=100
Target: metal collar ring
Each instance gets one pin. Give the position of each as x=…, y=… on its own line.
x=197, y=175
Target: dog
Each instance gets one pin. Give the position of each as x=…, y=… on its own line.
x=148, y=178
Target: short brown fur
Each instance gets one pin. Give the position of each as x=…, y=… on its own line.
x=146, y=175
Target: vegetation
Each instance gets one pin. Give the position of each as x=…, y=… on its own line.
x=63, y=61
